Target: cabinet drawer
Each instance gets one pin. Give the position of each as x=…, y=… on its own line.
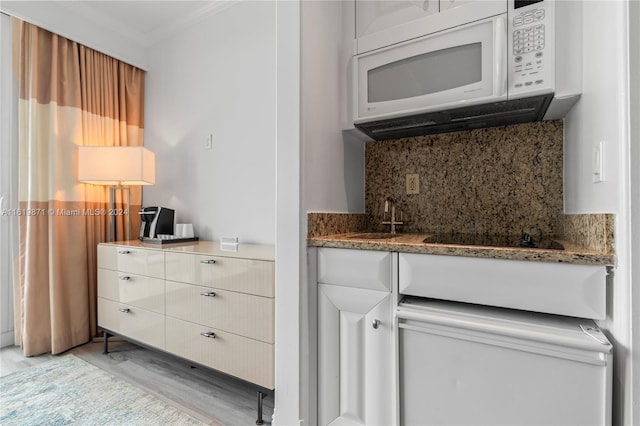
x=240, y=275
x=554, y=288
x=132, y=289
x=135, y=323
x=245, y=358
x=136, y=261
x=238, y=313
x=355, y=268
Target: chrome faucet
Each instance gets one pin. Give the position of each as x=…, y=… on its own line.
x=393, y=222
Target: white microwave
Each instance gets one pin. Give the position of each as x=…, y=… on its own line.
x=521, y=65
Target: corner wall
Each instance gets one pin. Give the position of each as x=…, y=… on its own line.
x=333, y=173
x=603, y=114
x=217, y=80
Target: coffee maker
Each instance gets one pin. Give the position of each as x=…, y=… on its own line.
x=156, y=221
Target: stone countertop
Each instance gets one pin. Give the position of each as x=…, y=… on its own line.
x=413, y=243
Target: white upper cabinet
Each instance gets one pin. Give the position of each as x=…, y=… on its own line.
x=381, y=23
x=450, y=4
x=373, y=15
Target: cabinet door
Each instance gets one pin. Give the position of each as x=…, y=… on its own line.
x=451, y=4
x=376, y=15
x=355, y=357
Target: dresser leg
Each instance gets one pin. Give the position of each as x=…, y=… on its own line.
x=106, y=343
x=260, y=398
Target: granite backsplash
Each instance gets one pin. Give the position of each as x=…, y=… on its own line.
x=504, y=180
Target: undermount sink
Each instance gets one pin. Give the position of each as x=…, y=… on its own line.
x=371, y=236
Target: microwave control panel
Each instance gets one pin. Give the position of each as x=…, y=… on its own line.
x=530, y=48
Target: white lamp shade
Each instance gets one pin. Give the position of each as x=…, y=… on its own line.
x=116, y=165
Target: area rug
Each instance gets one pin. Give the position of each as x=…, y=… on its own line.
x=68, y=390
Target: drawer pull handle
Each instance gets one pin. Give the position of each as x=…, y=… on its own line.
x=124, y=278
x=125, y=310
x=208, y=294
x=209, y=334
x=124, y=252
x=376, y=323
x=208, y=261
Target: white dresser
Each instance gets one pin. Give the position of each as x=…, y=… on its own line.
x=215, y=308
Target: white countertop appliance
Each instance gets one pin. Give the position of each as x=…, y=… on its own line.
x=480, y=64
x=464, y=364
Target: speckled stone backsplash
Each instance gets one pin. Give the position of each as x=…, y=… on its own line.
x=589, y=230
x=504, y=180
x=319, y=224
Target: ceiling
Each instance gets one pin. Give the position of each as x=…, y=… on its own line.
x=146, y=21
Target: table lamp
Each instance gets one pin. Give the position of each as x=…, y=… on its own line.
x=119, y=167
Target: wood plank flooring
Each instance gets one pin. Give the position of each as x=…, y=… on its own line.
x=211, y=397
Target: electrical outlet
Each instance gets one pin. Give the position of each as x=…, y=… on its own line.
x=413, y=184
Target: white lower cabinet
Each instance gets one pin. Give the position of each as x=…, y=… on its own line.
x=356, y=367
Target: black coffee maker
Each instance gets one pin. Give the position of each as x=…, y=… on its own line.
x=156, y=221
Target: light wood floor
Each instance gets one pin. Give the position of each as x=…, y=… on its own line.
x=210, y=397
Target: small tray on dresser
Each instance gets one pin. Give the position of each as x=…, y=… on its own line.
x=168, y=239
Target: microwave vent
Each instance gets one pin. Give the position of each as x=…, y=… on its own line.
x=466, y=118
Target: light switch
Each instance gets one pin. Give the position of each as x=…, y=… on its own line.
x=598, y=162
x=209, y=143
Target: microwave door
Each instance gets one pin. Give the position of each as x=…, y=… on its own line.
x=460, y=67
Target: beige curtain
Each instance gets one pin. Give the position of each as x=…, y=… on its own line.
x=70, y=95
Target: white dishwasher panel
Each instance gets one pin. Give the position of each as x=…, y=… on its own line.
x=462, y=364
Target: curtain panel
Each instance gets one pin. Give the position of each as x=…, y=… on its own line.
x=69, y=95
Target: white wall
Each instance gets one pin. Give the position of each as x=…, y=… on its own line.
x=600, y=114
x=289, y=238
x=216, y=78
x=333, y=160
x=633, y=161
x=603, y=114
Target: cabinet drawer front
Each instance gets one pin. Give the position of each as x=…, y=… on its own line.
x=238, y=313
x=135, y=323
x=554, y=288
x=238, y=356
x=147, y=262
x=355, y=268
x=136, y=290
x=240, y=275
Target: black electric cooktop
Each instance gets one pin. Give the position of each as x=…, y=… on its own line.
x=524, y=241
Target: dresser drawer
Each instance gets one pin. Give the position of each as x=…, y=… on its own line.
x=135, y=323
x=245, y=358
x=132, y=289
x=238, y=313
x=240, y=275
x=146, y=262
